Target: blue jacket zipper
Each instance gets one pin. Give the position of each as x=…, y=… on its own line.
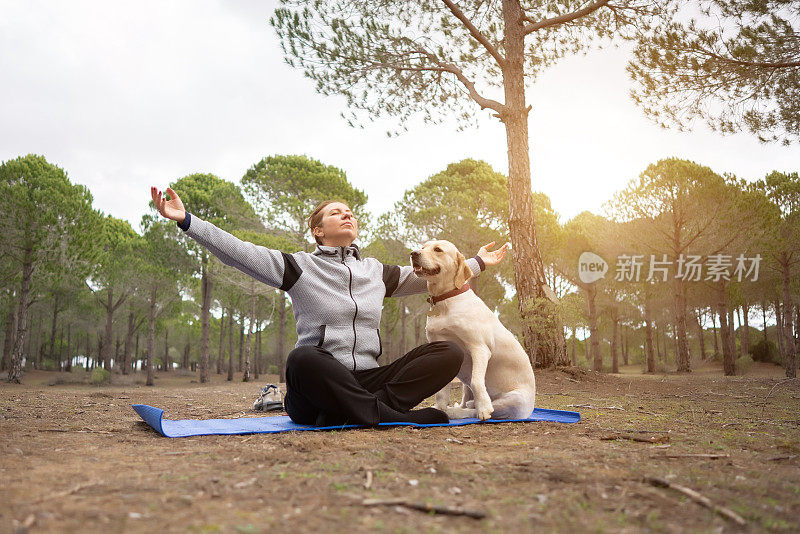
x=350, y=287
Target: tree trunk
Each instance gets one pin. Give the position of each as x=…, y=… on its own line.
x=126, y=351
x=205, y=312
x=675, y=341
x=28, y=353
x=151, y=339
x=8, y=343
x=257, y=352
x=745, y=336
x=779, y=327
x=594, y=334
x=166, y=363
x=714, y=330
x=246, y=377
x=185, y=361
x=98, y=362
x=136, y=355
x=764, y=318
x=651, y=362
x=797, y=333
x=282, y=337
x=789, y=356
x=37, y=362
x=679, y=327
x=624, y=343
x=733, y=333
x=60, y=359
x=543, y=348
x=614, y=333
x=574, y=356
x=230, y=346
x=701, y=335
x=728, y=360
x=69, y=347
x=241, y=345
x=53, y=327
x=15, y=369
x=109, y=324
x=259, y=349
x=221, y=355
x=658, y=343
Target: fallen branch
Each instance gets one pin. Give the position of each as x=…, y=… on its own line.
x=60, y=494
x=633, y=430
x=777, y=458
x=652, y=439
x=698, y=498
x=773, y=389
x=698, y=455
x=446, y=510
x=67, y=430
x=591, y=407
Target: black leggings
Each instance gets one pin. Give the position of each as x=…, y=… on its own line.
x=321, y=391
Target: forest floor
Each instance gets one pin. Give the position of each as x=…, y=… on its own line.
x=75, y=458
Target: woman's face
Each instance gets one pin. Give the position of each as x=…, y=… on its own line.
x=338, y=227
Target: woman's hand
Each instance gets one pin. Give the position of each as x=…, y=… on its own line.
x=172, y=208
x=495, y=256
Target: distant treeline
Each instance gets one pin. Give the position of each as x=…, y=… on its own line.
x=680, y=265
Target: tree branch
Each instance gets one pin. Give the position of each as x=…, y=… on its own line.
x=452, y=69
x=757, y=64
x=561, y=19
x=475, y=32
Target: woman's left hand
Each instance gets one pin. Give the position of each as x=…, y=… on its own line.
x=492, y=257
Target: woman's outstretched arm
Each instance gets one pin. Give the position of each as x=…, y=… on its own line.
x=273, y=267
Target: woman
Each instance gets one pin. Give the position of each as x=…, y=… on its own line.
x=332, y=375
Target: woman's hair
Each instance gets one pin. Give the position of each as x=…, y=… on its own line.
x=315, y=219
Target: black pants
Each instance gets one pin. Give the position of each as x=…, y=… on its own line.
x=321, y=391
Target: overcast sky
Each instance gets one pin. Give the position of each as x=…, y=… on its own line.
x=124, y=95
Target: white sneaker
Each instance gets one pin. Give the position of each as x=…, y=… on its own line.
x=269, y=399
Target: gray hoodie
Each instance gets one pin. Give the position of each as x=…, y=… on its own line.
x=337, y=296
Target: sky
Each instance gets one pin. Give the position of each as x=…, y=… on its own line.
x=125, y=95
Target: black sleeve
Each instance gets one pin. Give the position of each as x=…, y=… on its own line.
x=391, y=277
x=186, y=222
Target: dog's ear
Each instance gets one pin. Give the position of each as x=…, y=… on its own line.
x=463, y=272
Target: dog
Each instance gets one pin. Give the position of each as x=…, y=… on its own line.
x=498, y=380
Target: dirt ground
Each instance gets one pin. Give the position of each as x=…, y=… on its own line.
x=77, y=458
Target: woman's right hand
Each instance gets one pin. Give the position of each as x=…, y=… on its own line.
x=172, y=208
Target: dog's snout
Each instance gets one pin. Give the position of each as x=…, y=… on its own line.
x=415, y=255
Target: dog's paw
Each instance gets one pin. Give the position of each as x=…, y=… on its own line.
x=454, y=412
x=484, y=412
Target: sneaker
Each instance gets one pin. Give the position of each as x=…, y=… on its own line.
x=269, y=399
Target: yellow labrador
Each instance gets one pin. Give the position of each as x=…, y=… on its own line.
x=497, y=377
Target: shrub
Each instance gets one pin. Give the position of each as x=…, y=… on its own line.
x=743, y=364
x=272, y=369
x=100, y=376
x=765, y=351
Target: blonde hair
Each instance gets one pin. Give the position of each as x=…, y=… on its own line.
x=315, y=219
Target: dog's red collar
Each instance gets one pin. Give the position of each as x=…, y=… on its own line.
x=433, y=299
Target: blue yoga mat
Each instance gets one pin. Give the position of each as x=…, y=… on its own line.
x=181, y=428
